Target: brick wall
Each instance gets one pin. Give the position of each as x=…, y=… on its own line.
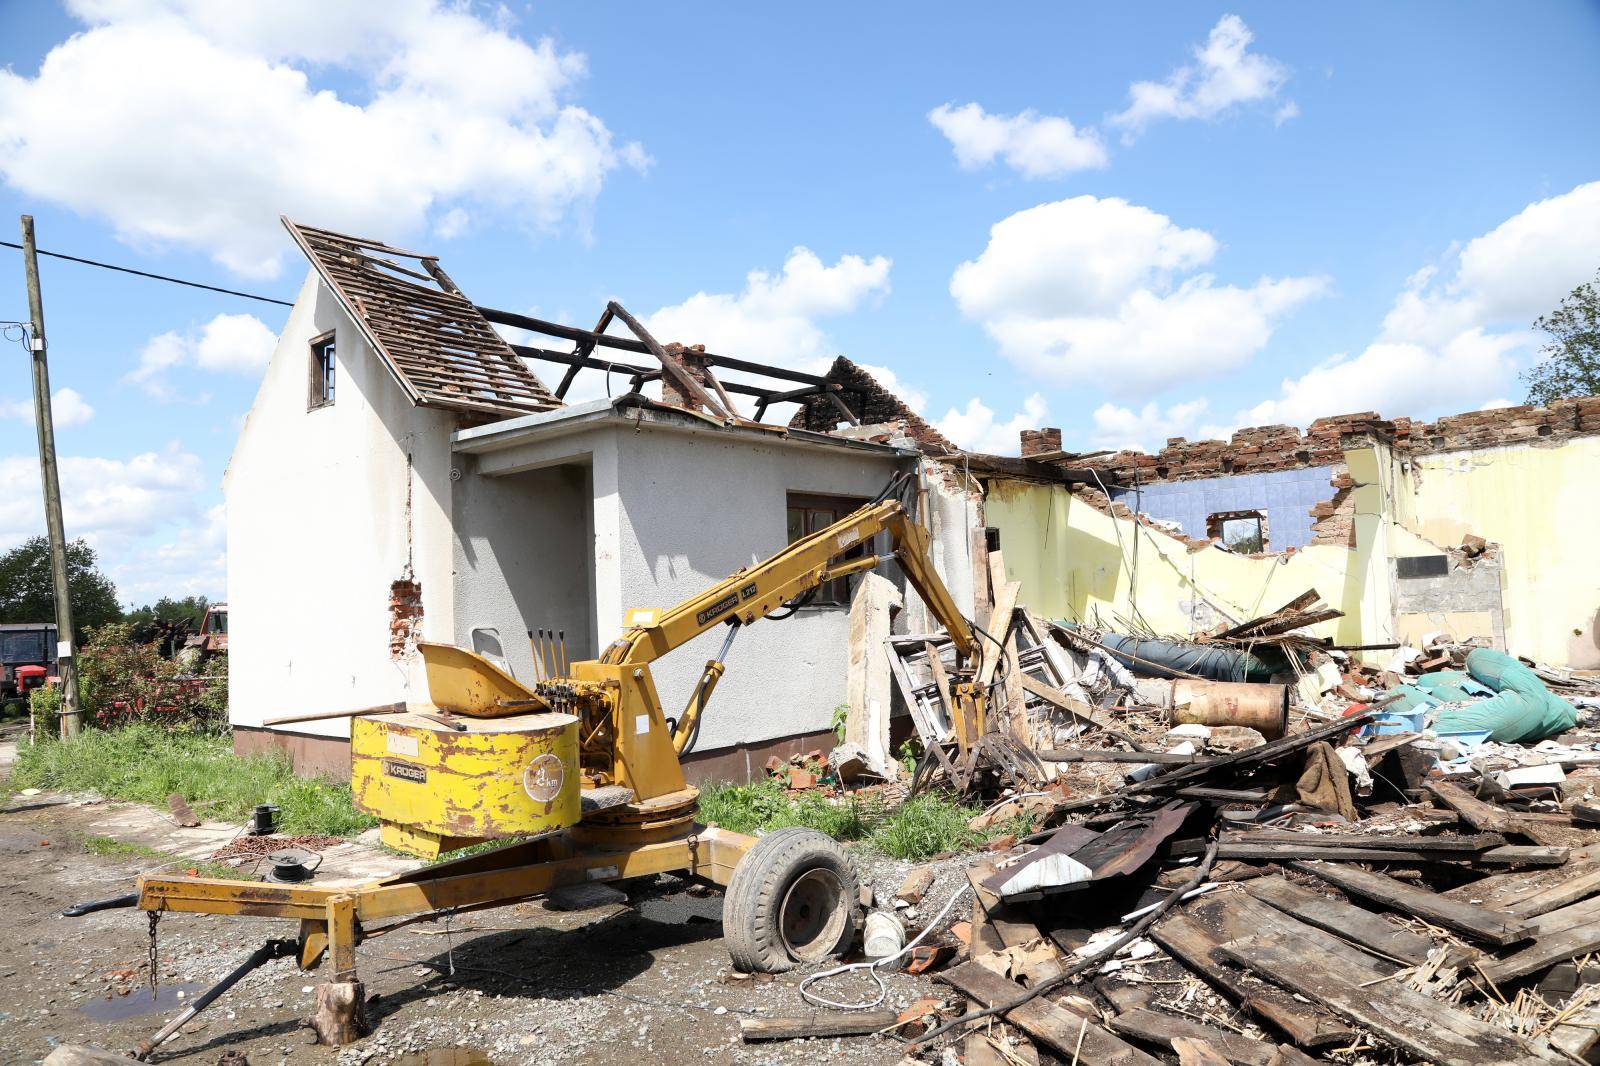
x=405, y=616
x=1262, y=448
x=871, y=403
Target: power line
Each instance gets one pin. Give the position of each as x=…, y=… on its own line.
x=156, y=277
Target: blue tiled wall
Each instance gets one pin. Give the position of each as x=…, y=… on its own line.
x=1285, y=495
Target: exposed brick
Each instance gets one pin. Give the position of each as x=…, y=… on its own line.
x=871, y=403
x=405, y=616
x=1040, y=441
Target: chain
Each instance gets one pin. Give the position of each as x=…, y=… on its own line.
x=155, y=916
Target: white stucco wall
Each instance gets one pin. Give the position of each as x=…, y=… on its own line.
x=524, y=558
x=318, y=528
x=691, y=510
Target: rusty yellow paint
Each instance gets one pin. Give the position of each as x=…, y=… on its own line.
x=644, y=758
x=434, y=787
x=462, y=682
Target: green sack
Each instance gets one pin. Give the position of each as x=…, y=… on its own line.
x=1523, y=712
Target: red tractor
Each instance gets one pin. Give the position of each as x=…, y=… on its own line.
x=27, y=659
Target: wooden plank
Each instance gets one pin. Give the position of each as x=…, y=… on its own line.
x=1252, y=756
x=1402, y=1016
x=1341, y=918
x=1195, y=1052
x=1553, y=897
x=1013, y=929
x=1485, y=817
x=999, y=628
x=816, y=1023
x=1471, y=844
x=1160, y=758
x=1234, y=914
x=1480, y=923
x=1307, y=1024
x=1076, y=708
x=1068, y=1034
x=1580, y=913
x=1153, y=1027
x=1579, y=1034
x=1544, y=952
x=1523, y=855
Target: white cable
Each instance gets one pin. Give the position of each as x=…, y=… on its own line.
x=872, y=967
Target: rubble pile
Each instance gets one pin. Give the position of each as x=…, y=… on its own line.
x=1256, y=847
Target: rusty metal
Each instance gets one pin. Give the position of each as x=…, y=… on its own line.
x=1264, y=708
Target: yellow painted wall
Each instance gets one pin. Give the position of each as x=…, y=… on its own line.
x=1542, y=506
x=1071, y=564
x=1539, y=504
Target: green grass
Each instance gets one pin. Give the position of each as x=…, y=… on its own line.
x=115, y=848
x=926, y=826
x=146, y=764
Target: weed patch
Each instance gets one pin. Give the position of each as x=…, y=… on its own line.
x=146, y=764
x=924, y=827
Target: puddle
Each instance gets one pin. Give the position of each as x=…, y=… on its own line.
x=138, y=1001
x=445, y=1056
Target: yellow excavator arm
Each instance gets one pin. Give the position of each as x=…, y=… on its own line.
x=618, y=732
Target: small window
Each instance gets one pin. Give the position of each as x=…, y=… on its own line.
x=324, y=364
x=1244, y=532
x=809, y=513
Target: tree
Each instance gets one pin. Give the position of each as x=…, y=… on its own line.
x=190, y=609
x=27, y=594
x=1571, y=365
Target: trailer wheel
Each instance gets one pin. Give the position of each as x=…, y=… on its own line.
x=794, y=898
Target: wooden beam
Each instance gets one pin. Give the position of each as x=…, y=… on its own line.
x=1342, y=919
x=1479, y=923
x=1071, y=1036
x=815, y=1024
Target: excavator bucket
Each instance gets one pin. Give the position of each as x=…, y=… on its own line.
x=462, y=682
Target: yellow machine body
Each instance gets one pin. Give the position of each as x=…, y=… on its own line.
x=436, y=789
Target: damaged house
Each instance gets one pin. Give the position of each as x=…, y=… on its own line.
x=403, y=475
x=1474, y=526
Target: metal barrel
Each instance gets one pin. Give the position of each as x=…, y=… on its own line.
x=1264, y=708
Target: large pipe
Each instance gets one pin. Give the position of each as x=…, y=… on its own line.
x=1264, y=708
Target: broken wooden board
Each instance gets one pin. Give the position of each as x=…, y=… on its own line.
x=1553, y=897
x=1342, y=919
x=1234, y=913
x=1579, y=1035
x=1482, y=816
x=816, y=1023
x=1257, y=756
x=1307, y=1024
x=1467, y=845
x=1400, y=1015
x=1479, y=923
x=1067, y=1034
x=1544, y=952
x=1153, y=1027
x=1009, y=923
x=1581, y=913
x=1522, y=855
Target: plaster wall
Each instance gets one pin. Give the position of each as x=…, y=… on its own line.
x=685, y=510
x=524, y=559
x=1538, y=503
x=325, y=509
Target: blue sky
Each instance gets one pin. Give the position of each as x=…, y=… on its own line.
x=1128, y=221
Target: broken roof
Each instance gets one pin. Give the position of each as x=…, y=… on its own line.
x=871, y=403
x=440, y=348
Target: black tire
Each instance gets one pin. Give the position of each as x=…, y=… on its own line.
x=794, y=898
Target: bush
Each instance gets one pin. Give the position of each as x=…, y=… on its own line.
x=121, y=680
x=146, y=764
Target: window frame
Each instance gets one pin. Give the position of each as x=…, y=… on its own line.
x=322, y=370
x=1217, y=522
x=835, y=594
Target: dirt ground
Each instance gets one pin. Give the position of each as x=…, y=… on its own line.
x=647, y=981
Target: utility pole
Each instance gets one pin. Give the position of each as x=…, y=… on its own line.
x=67, y=664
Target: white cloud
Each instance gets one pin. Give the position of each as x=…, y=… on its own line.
x=1452, y=338
x=67, y=408
x=192, y=562
x=1071, y=287
x=1517, y=271
x=1034, y=145
x=100, y=496
x=1147, y=429
x=774, y=319
x=978, y=429
x=436, y=109
x=1225, y=74
x=227, y=344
